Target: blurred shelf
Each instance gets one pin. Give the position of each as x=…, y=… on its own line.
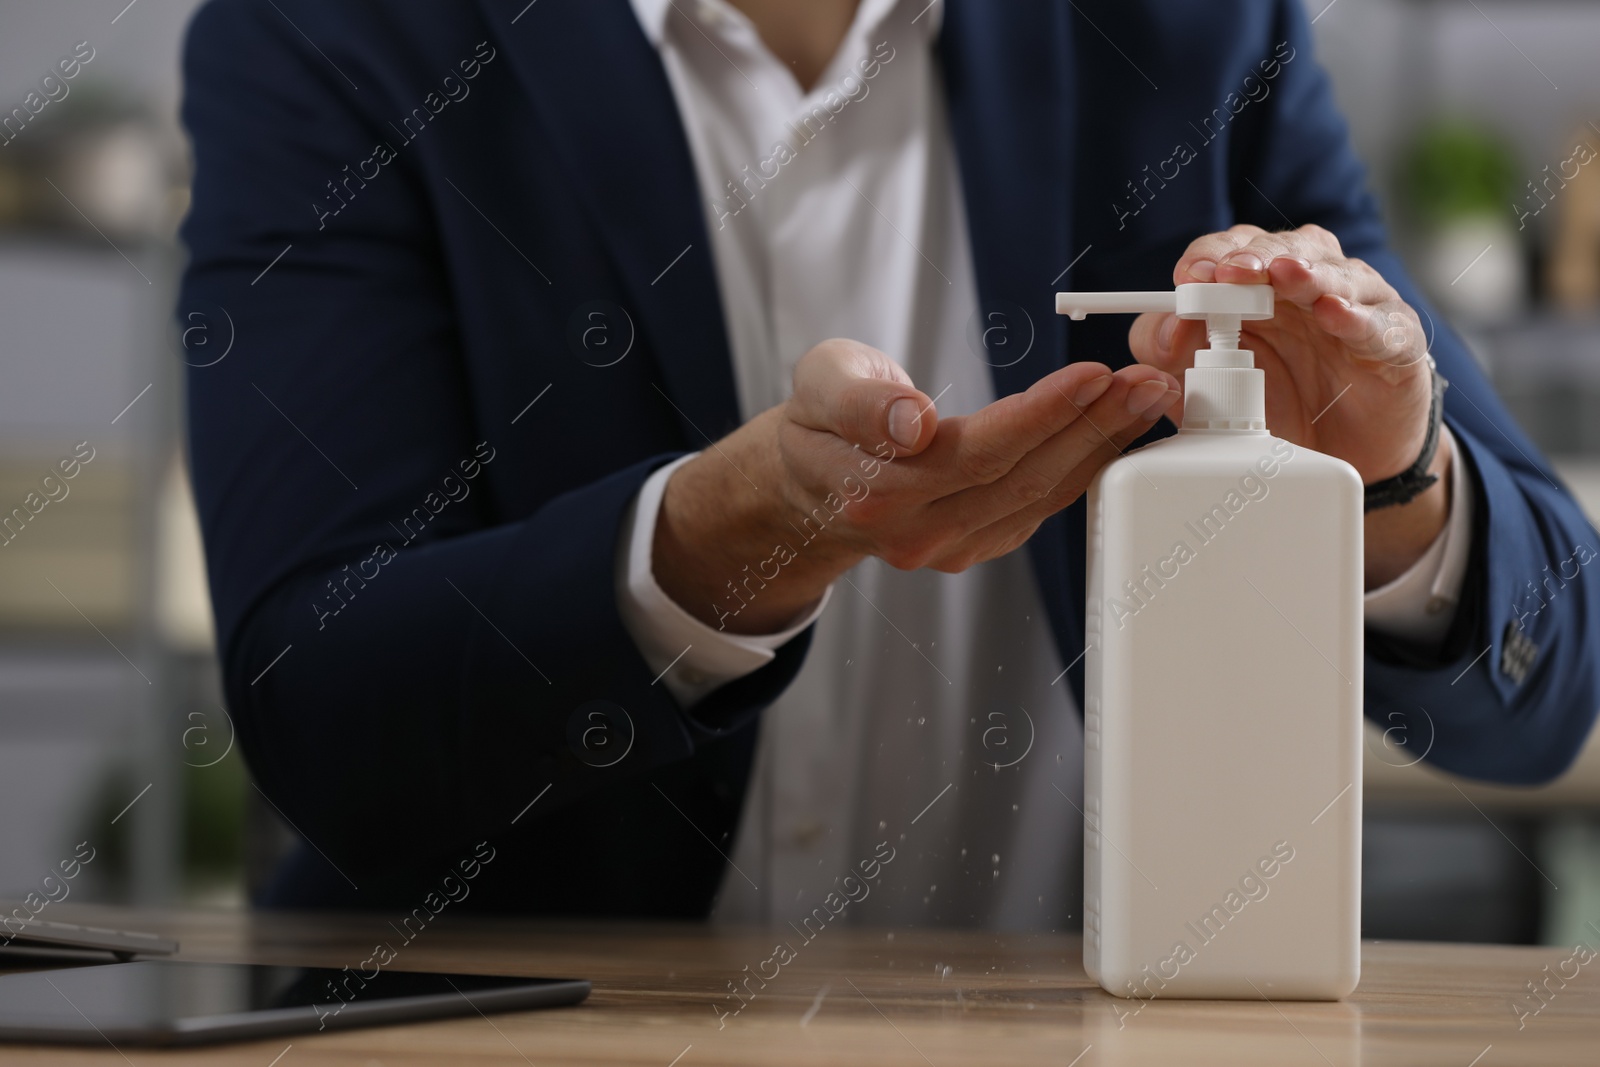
x=1546, y=368
x=1390, y=787
x=1544, y=348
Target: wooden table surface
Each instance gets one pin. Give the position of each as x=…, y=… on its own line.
x=850, y=996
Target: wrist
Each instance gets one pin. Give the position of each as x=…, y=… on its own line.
x=1397, y=536
x=723, y=548
x=1406, y=484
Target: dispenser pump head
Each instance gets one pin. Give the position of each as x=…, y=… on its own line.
x=1223, y=390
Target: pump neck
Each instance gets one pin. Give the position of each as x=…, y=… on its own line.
x=1223, y=391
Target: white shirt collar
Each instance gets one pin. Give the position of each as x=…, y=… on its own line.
x=652, y=16
x=929, y=14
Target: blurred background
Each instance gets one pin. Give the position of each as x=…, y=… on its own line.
x=1480, y=122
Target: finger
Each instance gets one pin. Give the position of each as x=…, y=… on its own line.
x=859, y=394
x=1247, y=264
x=1166, y=342
x=991, y=542
x=1199, y=261
x=1163, y=340
x=1007, y=532
x=1303, y=282
x=1136, y=397
x=1389, y=332
x=990, y=442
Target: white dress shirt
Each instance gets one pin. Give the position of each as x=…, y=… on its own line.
x=932, y=711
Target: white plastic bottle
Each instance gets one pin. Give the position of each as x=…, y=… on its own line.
x=1222, y=711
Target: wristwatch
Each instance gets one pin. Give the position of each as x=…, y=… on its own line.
x=1415, y=480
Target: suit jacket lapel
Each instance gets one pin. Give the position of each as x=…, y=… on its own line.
x=1012, y=95
x=602, y=91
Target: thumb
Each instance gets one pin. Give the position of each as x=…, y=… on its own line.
x=860, y=395
x=1166, y=342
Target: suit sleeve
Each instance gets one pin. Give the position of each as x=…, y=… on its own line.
x=407, y=665
x=1513, y=692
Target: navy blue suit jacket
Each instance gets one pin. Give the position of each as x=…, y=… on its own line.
x=410, y=213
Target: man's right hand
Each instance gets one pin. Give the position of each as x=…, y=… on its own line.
x=857, y=463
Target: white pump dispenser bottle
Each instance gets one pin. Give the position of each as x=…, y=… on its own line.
x=1222, y=704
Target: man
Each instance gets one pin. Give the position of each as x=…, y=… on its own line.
x=593, y=416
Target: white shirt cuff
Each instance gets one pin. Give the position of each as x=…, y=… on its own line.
x=1420, y=604
x=690, y=658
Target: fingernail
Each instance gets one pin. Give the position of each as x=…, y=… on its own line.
x=1244, y=261
x=1145, y=395
x=1344, y=303
x=1306, y=263
x=1202, y=270
x=1091, y=390
x=905, y=422
x=1155, y=411
x=1164, y=335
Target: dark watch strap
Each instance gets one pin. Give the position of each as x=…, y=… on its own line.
x=1414, y=481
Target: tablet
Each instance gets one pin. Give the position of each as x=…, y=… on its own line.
x=161, y=1002
x=42, y=933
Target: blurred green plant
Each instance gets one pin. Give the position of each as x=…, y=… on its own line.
x=213, y=818
x=211, y=823
x=1457, y=169
x=112, y=840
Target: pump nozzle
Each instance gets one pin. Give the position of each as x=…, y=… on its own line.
x=1223, y=390
x=1077, y=305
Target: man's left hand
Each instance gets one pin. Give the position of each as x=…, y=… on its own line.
x=1346, y=366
